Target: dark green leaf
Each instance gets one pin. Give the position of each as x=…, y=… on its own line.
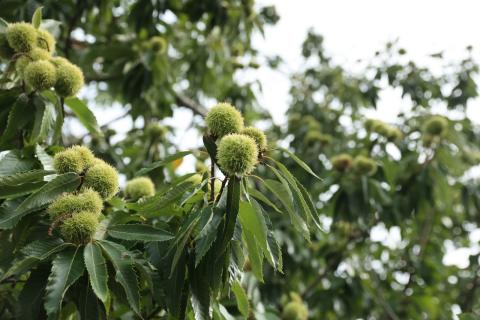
x=40, y=198
x=122, y=261
x=97, y=270
x=162, y=163
x=138, y=232
x=84, y=115
x=67, y=267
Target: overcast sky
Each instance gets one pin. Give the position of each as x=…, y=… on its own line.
x=355, y=29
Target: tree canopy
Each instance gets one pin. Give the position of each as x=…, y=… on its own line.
x=332, y=215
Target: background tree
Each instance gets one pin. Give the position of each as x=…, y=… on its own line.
x=413, y=176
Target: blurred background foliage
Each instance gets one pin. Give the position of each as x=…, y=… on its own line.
x=153, y=56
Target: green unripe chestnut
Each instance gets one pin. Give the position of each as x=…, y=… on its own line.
x=342, y=162
x=40, y=75
x=364, y=165
x=257, y=135
x=21, y=36
x=45, y=40
x=102, y=178
x=80, y=227
x=69, y=77
x=139, y=187
x=436, y=125
x=68, y=161
x=237, y=154
x=70, y=203
x=224, y=119
x=295, y=310
x=25, y=59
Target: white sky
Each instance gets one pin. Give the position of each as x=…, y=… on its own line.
x=355, y=29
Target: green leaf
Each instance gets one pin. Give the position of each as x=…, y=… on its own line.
x=97, y=270
x=24, y=177
x=125, y=274
x=67, y=267
x=258, y=195
x=32, y=295
x=18, y=117
x=211, y=147
x=37, y=17
x=44, y=121
x=253, y=221
x=40, y=199
x=153, y=204
x=200, y=290
x=233, y=205
x=138, y=232
x=300, y=162
x=254, y=254
x=12, y=192
x=208, y=232
x=34, y=253
x=3, y=25
x=162, y=163
x=84, y=115
x=283, y=194
x=242, y=299
x=13, y=162
x=45, y=159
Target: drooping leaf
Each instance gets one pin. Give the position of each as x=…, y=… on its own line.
x=200, y=289
x=153, y=204
x=233, y=205
x=125, y=274
x=34, y=253
x=67, y=267
x=32, y=295
x=84, y=114
x=139, y=232
x=242, y=299
x=18, y=117
x=162, y=163
x=97, y=270
x=300, y=162
x=40, y=198
x=45, y=159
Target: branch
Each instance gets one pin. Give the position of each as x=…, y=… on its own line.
x=188, y=103
x=71, y=26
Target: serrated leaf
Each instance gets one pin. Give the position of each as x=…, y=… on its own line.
x=3, y=25
x=162, y=163
x=260, y=196
x=33, y=253
x=40, y=198
x=19, y=116
x=159, y=201
x=20, y=178
x=211, y=147
x=12, y=162
x=253, y=221
x=200, y=290
x=208, y=232
x=67, y=267
x=32, y=295
x=300, y=162
x=125, y=274
x=233, y=205
x=255, y=255
x=242, y=299
x=138, y=232
x=45, y=159
x=283, y=194
x=37, y=17
x=97, y=270
x=44, y=121
x=84, y=114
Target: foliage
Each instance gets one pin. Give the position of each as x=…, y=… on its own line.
x=257, y=231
